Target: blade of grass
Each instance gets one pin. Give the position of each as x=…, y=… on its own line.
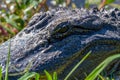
x=55, y=76
x=49, y=77
x=13, y=23
x=6, y=28
x=37, y=76
x=7, y=63
x=101, y=77
x=101, y=66
x=29, y=75
x=66, y=78
x=18, y=5
x=0, y=73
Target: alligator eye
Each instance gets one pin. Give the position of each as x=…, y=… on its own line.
x=63, y=29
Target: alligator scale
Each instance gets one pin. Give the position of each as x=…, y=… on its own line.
x=58, y=39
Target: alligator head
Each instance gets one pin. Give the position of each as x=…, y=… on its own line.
x=58, y=39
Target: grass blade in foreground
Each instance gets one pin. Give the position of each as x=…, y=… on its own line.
x=49, y=77
x=0, y=73
x=78, y=64
x=7, y=63
x=101, y=66
x=55, y=76
x=28, y=75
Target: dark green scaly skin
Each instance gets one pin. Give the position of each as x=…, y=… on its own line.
x=58, y=39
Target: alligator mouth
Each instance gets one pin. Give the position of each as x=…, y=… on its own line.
x=94, y=59
x=101, y=49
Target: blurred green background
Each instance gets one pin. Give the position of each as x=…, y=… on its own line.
x=15, y=14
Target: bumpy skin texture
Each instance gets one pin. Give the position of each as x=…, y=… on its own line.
x=56, y=40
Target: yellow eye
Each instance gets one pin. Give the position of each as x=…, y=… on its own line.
x=63, y=29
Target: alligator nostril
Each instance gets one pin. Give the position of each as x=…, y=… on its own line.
x=20, y=34
x=27, y=31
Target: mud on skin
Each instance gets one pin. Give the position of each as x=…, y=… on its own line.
x=57, y=39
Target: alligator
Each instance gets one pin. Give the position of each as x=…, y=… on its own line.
x=58, y=39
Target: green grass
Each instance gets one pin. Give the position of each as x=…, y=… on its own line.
x=93, y=75
x=7, y=63
x=0, y=73
x=50, y=77
x=28, y=75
